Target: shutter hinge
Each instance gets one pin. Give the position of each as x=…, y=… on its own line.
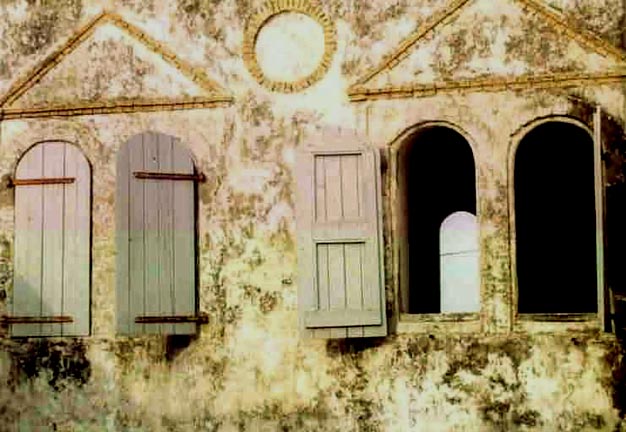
x=200, y=177
x=40, y=181
x=57, y=319
x=172, y=319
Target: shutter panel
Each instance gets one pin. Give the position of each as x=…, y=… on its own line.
x=52, y=231
x=156, y=236
x=339, y=243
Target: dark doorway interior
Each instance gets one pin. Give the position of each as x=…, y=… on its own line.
x=555, y=220
x=439, y=179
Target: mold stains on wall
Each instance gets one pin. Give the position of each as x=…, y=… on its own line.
x=117, y=68
x=61, y=363
x=603, y=17
x=371, y=22
x=26, y=35
x=6, y=275
x=247, y=369
x=7, y=196
x=366, y=16
x=200, y=15
x=266, y=301
x=458, y=47
x=43, y=25
x=617, y=380
x=537, y=43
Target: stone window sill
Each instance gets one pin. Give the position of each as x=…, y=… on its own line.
x=555, y=323
x=439, y=323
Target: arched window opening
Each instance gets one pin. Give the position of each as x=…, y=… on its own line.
x=555, y=224
x=436, y=180
x=460, y=278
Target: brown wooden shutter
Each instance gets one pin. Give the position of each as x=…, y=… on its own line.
x=52, y=231
x=341, y=290
x=155, y=236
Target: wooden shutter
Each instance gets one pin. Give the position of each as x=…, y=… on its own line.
x=340, y=243
x=52, y=232
x=155, y=236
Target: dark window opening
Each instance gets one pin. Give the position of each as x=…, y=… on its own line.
x=436, y=179
x=555, y=221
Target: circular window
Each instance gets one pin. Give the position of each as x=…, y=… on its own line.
x=289, y=45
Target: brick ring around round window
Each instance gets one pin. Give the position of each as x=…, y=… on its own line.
x=269, y=10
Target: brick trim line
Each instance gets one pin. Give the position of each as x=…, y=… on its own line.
x=359, y=94
x=116, y=107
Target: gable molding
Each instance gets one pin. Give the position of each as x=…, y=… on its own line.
x=22, y=85
x=358, y=92
x=545, y=81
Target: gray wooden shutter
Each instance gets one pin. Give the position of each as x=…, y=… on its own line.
x=155, y=236
x=52, y=231
x=341, y=289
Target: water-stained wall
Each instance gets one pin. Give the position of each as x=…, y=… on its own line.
x=248, y=368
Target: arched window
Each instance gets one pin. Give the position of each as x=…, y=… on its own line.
x=436, y=180
x=460, y=277
x=52, y=242
x=555, y=225
x=156, y=271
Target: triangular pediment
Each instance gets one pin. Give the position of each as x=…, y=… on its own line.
x=487, y=45
x=110, y=66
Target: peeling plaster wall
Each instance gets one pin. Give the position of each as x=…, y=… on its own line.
x=248, y=369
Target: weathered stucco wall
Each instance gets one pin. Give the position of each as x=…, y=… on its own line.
x=248, y=368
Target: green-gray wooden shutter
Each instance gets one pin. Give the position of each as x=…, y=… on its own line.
x=52, y=236
x=155, y=236
x=341, y=289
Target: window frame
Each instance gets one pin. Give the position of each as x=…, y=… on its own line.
x=402, y=322
x=555, y=322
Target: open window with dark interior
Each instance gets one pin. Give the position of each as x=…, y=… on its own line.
x=438, y=241
x=555, y=221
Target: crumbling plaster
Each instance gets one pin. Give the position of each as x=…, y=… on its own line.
x=248, y=368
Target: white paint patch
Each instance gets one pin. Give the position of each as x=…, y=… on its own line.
x=17, y=11
x=289, y=155
x=280, y=211
x=250, y=180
